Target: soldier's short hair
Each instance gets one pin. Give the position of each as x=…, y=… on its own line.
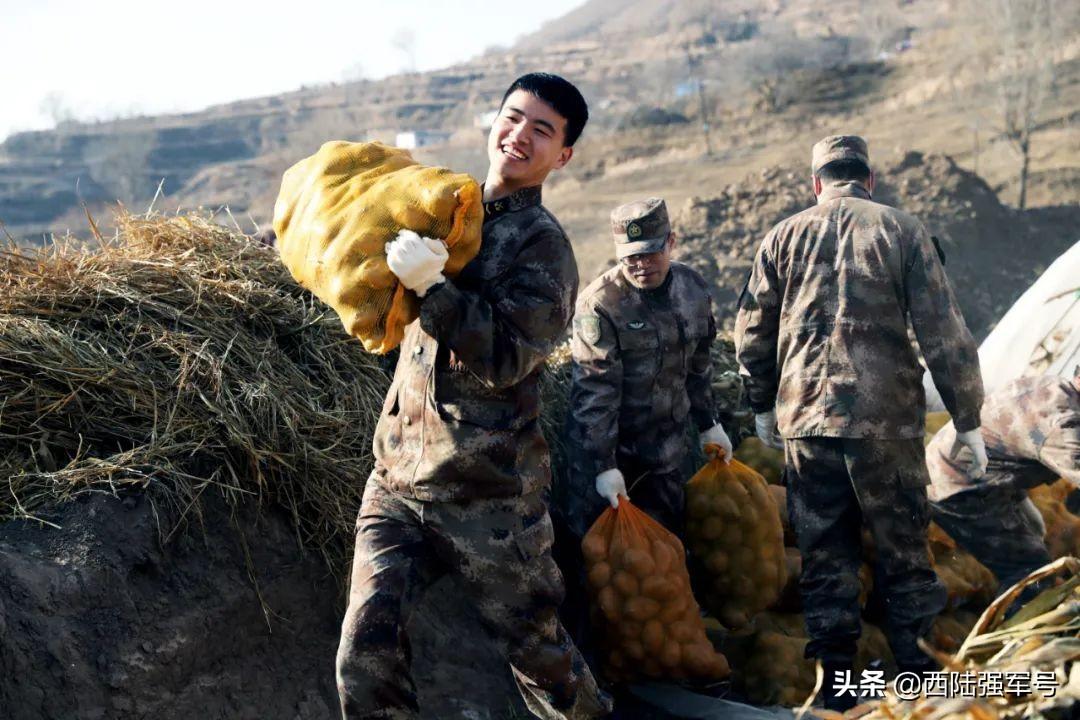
x=559, y=93
x=840, y=170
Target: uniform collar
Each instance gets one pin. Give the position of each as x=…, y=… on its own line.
x=517, y=200
x=843, y=188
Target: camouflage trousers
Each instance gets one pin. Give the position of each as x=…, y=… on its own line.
x=998, y=525
x=836, y=486
x=500, y=550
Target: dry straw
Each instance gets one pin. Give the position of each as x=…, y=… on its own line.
x=179, y=358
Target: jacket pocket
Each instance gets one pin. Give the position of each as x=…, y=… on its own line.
x=535, y=540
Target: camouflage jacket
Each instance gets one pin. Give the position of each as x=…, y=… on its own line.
x=822, y=327
x=460, y=420
x=641, y=366
x=1032, y=432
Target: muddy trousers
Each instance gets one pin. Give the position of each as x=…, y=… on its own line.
x=500, y=550
x=999, y=526
x=836, y=486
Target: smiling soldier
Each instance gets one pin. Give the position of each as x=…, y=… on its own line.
x=460, y=463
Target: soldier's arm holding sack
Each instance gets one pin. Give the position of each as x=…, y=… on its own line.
x=757, y=327
x=504, y=333
x=946, y=343
x=596, y=386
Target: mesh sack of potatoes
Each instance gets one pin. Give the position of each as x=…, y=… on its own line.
x=337, y=210
x=967, y=581
x=1062, y=527
x=736, y=540
x=767, y=461
x=950, y=629
x=773, y=669
x=637, y=577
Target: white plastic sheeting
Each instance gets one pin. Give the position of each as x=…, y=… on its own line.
x=1040, y=334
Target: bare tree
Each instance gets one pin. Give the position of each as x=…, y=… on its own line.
x=1018, y=40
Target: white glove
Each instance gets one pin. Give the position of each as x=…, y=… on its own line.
x=417, y=261
x=973, y=441
x=716, y=436
x=765, y=427
x=610, y=485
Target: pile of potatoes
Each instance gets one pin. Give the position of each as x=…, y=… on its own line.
x=736, y=541
x=967, y=581
x=1062, y=527
x=639, y=584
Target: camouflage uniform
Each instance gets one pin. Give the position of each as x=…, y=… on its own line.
x=1032, y=432
x=822, y=336
x=641, y=370
x=460, y=466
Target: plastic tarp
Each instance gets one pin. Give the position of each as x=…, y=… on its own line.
x=1040, y=334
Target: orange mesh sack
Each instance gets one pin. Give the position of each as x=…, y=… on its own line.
x=338, y=209
x=641, y=591
x=736, y=540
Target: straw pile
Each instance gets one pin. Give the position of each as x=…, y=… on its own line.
x=177, y=358
x=1042, y=637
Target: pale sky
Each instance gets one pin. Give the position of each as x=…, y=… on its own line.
x=111, y=58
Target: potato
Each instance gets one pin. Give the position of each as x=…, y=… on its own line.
x=626, y=584
x=594, y=548
x=716, y=562
x=608, y=600
x=639, y=562
x=599, y=575
x=652, y=636
x=664, y=556
x=671, y=654
x=681, y=631
x=659, y=588
x=630, y=629
x=712, y=528
x=633, y=649
x=641, y=608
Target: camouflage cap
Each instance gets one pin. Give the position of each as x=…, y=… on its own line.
x=839, y=147
x=640, y=227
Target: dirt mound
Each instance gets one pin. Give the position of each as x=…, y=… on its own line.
x=993, y=253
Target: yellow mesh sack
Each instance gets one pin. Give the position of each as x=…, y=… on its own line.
x=774, y=671
x=736, y=540
x=337, y=210
x=637, y=578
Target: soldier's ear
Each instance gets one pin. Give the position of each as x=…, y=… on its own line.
x=817, y=185
x=671, y=240
x=870, y=182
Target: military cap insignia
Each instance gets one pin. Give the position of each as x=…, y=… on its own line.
x=633, y=230
x=590, y=328
x=635, y=324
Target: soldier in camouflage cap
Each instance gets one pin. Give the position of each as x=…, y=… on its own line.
x=461, y=467
x=832, y=376
x=641, y=373
x=1032, y=432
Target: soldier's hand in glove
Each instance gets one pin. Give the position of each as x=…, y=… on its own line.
x=765, y=427
x=716, y=436
x=610, y=485
x=973, y=441
x=417, y=261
